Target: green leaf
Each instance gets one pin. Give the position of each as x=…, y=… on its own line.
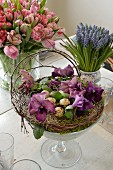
x=45, y=87
x=69, y=114
x=57, y=95
x=28, y=33
x=38, y=131
x=42, y=4
x=5, y=4
x=17, y=30
x=18, y=5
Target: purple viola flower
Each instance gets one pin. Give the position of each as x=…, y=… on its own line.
x=67, y=71
x=78, y=101
x=74, y=92
x=93, y=93
x=86, y=105
x=40, y=106
x=81, y=103
x=54, y=84
x=65, y=86
x=28, y=81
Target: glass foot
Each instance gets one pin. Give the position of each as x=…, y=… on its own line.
x=61, y=154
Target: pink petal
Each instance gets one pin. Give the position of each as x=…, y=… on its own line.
x=48, y=43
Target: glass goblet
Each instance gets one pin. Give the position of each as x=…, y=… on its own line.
x=107, y=85
x=61, y=150
x=25, y=164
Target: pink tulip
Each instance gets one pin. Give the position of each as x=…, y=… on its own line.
x=29, y=19
x=50, y=15
x=34, y=7
x=14, y=38
x=38, y=32
x=11, y=51
x=24, y=27
x=8, y=14
x=48, y=33
x=25, y=12
x=53, y=25
x=48, y=43
x=19, y=22
x=61, y=31
x=17, y=15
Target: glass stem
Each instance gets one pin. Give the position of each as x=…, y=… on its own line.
x=59, y=147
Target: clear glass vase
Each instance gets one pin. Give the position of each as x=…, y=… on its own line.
x=8, y=66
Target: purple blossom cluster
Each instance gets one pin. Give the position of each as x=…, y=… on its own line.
x=97, y=36
x=81, y=96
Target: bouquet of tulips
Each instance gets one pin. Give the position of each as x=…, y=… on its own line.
x=26, y=25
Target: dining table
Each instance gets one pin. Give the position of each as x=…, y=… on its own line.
x=96, y=143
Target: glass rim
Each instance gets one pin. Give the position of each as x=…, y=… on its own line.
x=22, y=160
x=3, y=133
x=106, y=78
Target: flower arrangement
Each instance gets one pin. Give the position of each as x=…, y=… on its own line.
x=26, y=26
x=92, y=47
x=60, y=103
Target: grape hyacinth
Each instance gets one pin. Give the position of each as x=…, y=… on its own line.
x=90, y=47
x=97, y=36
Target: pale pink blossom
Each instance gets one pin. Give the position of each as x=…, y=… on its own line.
x=48, y=43
x=11, y=51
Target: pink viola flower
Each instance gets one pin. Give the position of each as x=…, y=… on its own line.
x=11, y=51
x=14, y=38
x=48, y=43
x=28, y=81
x=40, y=106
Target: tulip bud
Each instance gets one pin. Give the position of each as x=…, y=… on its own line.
x=8, y=14
x=24, y=27
x=11, y=51
x=29, y=19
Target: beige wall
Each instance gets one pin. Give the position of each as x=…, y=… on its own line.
x=72, y=12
